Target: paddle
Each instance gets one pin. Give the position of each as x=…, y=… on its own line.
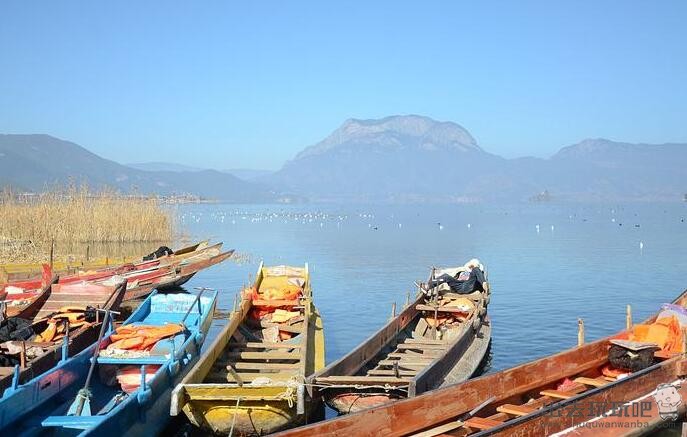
x=82, y=403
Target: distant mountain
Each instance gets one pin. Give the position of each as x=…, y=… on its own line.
x=417, y=159
x=34, y=162
x=241, y=173
x=248, y=174
x=163, y=166
x=398, y=159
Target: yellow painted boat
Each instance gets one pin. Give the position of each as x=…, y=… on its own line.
x=251, y=380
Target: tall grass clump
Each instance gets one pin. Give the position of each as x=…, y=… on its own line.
x=77, y=216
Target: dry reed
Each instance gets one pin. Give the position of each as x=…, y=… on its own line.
x=77, y=216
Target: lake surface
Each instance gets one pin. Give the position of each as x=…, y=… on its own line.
x=584, y=261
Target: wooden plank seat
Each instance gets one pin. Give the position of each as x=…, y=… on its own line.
x=259, y=345
x=385, y=372
x=422, y=341
x=411, y=355
x=439, y=347
x=258, y=366
x=271, y=355
x=558, y=394
x=482, y=423
x=353, y=380
x=593, y=382
x=415, y=362
x=515, y=410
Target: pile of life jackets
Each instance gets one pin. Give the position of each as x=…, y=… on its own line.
x=276, y=288
x=665, y=332
x=77, y=317
x=141, y=337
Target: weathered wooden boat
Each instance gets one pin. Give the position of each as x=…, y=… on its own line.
x=433, y=341
x=541, y=397
x=42, y=405
x=23, y=305
x=651, y=401
x=87, y=273
x=251, y=379
x=45, y=355
x=171, y=277
x=164, y=273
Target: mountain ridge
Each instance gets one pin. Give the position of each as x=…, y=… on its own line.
x=419, y=159
x=34, y=162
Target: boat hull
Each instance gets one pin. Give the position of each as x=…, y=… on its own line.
x=250, y=418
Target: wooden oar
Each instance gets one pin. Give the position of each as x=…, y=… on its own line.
x=82, y=403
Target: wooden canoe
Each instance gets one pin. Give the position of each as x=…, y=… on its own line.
x=173, y=276
x=123, y=407
x=523, y=400
x=31, y=304
x=77, y=274
x=408, y=355
x=24, y=271
x=80, y=338
x=251, y=380
x=163, y=273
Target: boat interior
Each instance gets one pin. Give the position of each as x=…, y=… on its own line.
x=107, y=387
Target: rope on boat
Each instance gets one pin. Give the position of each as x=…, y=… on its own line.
x=385, y=387
x=290, y=394
x=233, y=420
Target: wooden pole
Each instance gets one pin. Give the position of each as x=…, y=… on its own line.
x=580, y=332
x=88, y=252
x=628, y=317
x=52, y=253
x=22, y=355
x=235, y=375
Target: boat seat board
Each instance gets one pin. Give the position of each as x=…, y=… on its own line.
x=403, y=365
x=258, y=345
x=515, y=410
x=74, y=422
x=152, y=360
x=271, y=355
x=383, y=372
x=482, y=423
x=258, y=366
x=441, y=429
x=593, y=382
x=558, y=394
x=423, y=341
x=345, y=379
x=422, y=346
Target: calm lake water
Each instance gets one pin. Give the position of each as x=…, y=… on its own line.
x=583, y=261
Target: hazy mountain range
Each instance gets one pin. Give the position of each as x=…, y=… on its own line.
x=34, y=162
x=396, y=159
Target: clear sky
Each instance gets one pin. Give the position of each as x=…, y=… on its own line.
x=249, y=84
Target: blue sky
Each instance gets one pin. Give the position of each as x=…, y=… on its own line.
x=249, y=84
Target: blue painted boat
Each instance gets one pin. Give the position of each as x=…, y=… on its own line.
x=41, y=406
